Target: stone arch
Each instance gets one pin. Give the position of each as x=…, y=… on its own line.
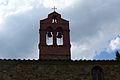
x=97, y=73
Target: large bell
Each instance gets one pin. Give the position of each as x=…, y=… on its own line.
x=49, y=34
x=59, y=35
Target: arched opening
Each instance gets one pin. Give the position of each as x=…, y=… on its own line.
x=97, y=73
x=54, y=19
x=49, y=36
x=59, y=36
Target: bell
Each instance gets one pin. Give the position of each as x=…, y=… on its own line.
x=59, y=35
x=49, y=34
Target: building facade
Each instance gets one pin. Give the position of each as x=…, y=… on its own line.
x=59, y=70
x=55, y=60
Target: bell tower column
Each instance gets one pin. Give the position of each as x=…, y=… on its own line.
x=54, y=38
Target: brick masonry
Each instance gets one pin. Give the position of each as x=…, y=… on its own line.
x=54, y=51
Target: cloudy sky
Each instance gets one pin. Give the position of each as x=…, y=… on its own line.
x=94, y=25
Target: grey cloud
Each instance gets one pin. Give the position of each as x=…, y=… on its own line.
x=87, y=20
x=92, y=24
x=4, y=2
x=20, y=37
x=94, y=20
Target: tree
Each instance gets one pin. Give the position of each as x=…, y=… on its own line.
x=117, y=55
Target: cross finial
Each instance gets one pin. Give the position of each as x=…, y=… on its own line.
x=54, y=8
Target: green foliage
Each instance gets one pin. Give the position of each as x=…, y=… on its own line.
x=117, y=55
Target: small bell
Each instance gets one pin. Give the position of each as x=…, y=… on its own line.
x=59, y=35
x=49, y=34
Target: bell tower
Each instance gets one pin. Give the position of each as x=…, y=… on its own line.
x=54, y=38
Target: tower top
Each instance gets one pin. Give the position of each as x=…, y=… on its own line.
x=54, y=8
x=54, y=41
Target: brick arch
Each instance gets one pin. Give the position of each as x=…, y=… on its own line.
x=49, y=28
x=59, y=29
x=49, y=35
x=59, y=35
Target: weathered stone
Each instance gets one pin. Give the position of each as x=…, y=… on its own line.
x=56, y=70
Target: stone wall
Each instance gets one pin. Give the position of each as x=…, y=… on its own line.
x=56, y=70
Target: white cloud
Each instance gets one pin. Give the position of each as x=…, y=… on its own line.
x=89, y=47
x=81, y=51
x=115, y=43
x=60, y=4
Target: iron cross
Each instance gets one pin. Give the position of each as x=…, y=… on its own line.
x=54, y=8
